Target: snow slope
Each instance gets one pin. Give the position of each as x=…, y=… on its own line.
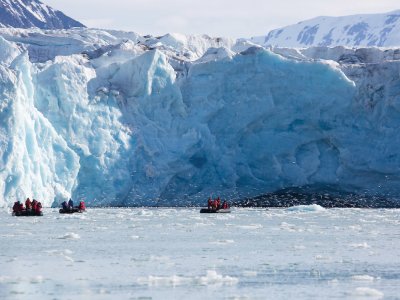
x=380, y=30
x=121, y=119
x=33, y=13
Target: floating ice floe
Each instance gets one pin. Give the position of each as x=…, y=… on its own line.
x=368, y=292
x=211, y=278
x=363, y=278
x=223, y=242
x=70, y=235
x=361, y=245
x=306, y=208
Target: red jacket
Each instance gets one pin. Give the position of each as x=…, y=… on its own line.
x=28, y=204
x=209, y=203
x=38, y=208
x=16, y=207
x=82, y=205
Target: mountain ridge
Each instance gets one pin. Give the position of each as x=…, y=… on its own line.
x=360, y=30
x=33, y=13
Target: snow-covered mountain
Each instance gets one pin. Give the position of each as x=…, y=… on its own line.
x=116, y=118
x=33, y=13
x=379, y=30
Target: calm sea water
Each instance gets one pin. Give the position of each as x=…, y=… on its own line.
x=299, y=253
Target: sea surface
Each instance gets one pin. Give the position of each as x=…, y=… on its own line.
x=304, y=252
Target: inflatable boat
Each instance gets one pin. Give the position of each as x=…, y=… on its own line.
x=27, y=213
x=214, y=211
x=71, y=211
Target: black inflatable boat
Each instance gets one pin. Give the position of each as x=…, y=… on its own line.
x=71, y=211
x=27, y=213
x=214, y=211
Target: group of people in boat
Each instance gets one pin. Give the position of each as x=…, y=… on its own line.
x=216, y=204
x=30, y=206
x=34, y=207
x=69, y=206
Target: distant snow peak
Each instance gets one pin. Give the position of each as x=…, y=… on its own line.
x=33, y=13
x=369, y=30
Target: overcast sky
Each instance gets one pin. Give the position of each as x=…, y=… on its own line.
x=230, y=18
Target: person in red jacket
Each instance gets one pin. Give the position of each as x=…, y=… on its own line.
x=17, y=206
x=82, y=206
x=209, y=203
x=215, y=204
x=225, y=205
x=218, y=203
x=34, y=204
x=38, y=209
x=28, y=204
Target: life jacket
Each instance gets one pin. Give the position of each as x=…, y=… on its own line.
x=82, y=205
x=225, y=205
x=34, y=204
x=21, y=207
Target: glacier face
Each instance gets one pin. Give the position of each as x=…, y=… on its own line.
x=369, y=30
x=120, y=119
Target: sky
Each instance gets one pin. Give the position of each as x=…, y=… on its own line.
x=228, y=18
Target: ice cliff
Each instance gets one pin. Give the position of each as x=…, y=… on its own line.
x=119, y=119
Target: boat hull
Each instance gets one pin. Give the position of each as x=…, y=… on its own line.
x=71, y=211
x=27, y=213
x=214, y=211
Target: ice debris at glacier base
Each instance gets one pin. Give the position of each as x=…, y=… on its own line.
x=119, y=119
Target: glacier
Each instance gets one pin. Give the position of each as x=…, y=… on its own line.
x=119, y=119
